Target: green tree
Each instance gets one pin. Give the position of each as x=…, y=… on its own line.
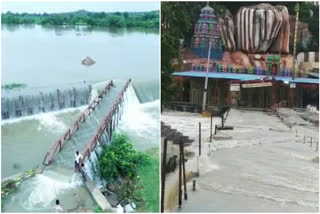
x=176, y=23
x=132, y=19
x=116, y=21
x=126, y=15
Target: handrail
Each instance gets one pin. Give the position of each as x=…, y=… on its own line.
x=70, y=131
x=278, y=105
x=104, y=124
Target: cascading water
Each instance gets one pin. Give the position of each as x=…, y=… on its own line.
x=140, y=120
x=19, y=105
x=68, y=187
x=26, y=139
x=63, y=164
x=146, y=91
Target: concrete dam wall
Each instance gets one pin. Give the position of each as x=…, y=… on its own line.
x=24, y=105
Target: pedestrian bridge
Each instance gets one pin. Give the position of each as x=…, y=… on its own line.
x=93, y=128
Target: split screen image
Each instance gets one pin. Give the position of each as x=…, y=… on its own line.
x=152, y=106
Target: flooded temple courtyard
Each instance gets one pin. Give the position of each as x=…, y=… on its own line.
x=260, y=165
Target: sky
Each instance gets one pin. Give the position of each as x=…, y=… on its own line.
x=67, y=6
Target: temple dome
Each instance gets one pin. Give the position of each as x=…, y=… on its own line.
x=207, y=9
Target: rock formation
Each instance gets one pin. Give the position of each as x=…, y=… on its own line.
x=249, y=37
x=257, y=27
x=283, y=39
x=88, y=61
x=303, y=36
x=227, y=31
x=307, y=61
x=237, y=58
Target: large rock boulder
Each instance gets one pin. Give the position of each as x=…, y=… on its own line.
x=287, y=61
x=308, y=60
x=227, y=31
x=304, y=36
x=88, y=61
x=240, y=59
x=258, y=27
x=283, y=37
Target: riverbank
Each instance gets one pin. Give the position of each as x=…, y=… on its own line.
x=149, y=175
x=149, y=19
x=261, y=166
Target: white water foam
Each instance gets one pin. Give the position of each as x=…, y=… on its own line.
x=139, y=119
x=97, y=87
x=52, y=122
x=51, y=115
x=45, y=189
x=41, y=116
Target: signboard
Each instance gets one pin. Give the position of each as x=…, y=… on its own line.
x=234, y=87
x=256, y=85
x=292, y=85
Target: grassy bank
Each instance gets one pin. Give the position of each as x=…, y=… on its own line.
x=149, y=175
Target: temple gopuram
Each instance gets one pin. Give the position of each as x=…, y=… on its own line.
x=207, y=29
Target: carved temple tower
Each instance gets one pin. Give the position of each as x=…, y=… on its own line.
x=207, y=29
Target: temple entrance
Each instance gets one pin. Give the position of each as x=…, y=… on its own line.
x=256, y=97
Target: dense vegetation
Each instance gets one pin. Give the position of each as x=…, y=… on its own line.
x=82, y=17
x=137, y=172
x=178, y=19
x=13, y=86
x=120, y=159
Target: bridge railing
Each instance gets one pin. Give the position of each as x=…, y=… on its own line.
x=108, y=124
x=69, y=132
x=276, y=107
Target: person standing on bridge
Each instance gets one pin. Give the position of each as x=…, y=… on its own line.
x=77, y=161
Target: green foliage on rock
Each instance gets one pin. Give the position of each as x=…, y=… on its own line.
x=120, y=159
x=133, y=176
x=97, y=209
x=12, y=185
x=131, y=190
x=30, y=173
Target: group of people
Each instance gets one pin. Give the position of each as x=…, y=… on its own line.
x=78, y=167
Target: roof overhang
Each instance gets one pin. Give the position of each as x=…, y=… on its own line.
x=245, y=77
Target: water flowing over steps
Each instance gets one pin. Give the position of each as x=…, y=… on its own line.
x=15, y=104
x=80, y=139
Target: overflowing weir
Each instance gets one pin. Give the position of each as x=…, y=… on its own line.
x=24, y=105
x=94, y=127
x=58, y=180
x=84, y=132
